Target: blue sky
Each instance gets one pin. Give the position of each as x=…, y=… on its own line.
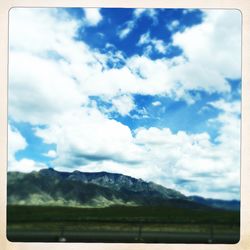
x=98, y=36
x=152, y=93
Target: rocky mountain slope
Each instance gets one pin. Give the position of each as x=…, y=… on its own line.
x=99, y=189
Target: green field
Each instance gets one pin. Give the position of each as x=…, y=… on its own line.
x=122, y=224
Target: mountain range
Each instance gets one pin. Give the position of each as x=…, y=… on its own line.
x=98, y=189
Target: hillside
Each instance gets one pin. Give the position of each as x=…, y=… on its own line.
x=98, y=189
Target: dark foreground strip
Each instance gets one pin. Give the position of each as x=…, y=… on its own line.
x=122, y=237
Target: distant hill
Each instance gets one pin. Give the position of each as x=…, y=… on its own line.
x=99, y=189
x=216, y=203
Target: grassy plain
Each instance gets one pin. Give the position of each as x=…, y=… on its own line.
x=160, y=224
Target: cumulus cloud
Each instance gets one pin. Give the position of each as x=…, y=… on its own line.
x=195, y=158
x=26, y=165
x=40, y=78
x=206, y=63
x=214, y=44
x=92, y=16
x=229, y=107
x=171, y=159
x=16, y=142
x=51, y=154
x=123, y=104
x=40, y=86
x=152, y=44
x=54, y=26
x=88, y=135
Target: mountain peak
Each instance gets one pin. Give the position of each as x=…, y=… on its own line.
x=87, y=188
x=44, y=170
x=49, y=186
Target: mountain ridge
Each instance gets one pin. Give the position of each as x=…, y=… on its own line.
x=96, y=189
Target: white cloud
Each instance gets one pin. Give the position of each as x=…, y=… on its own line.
x=154, y=75
x=143, y=112
x=229, y=120
x=156, y=103
x=41, y=87
x=160, y=46
x=214, y=44
x=126, y=29
x=144, y=39
x=173, y=25
x=45, y=66
x=25, y=165
x=124, y=32
x=51, y=154
x=153, y=44
x=54, y=26
x=123, y=104
x=93, y=16
x=206, y=63
x=194, y=158
x=151, y=13
x=229, y=107
x=87, y=135
x=16, y=142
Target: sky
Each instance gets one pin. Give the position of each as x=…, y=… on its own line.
x=150, y=93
